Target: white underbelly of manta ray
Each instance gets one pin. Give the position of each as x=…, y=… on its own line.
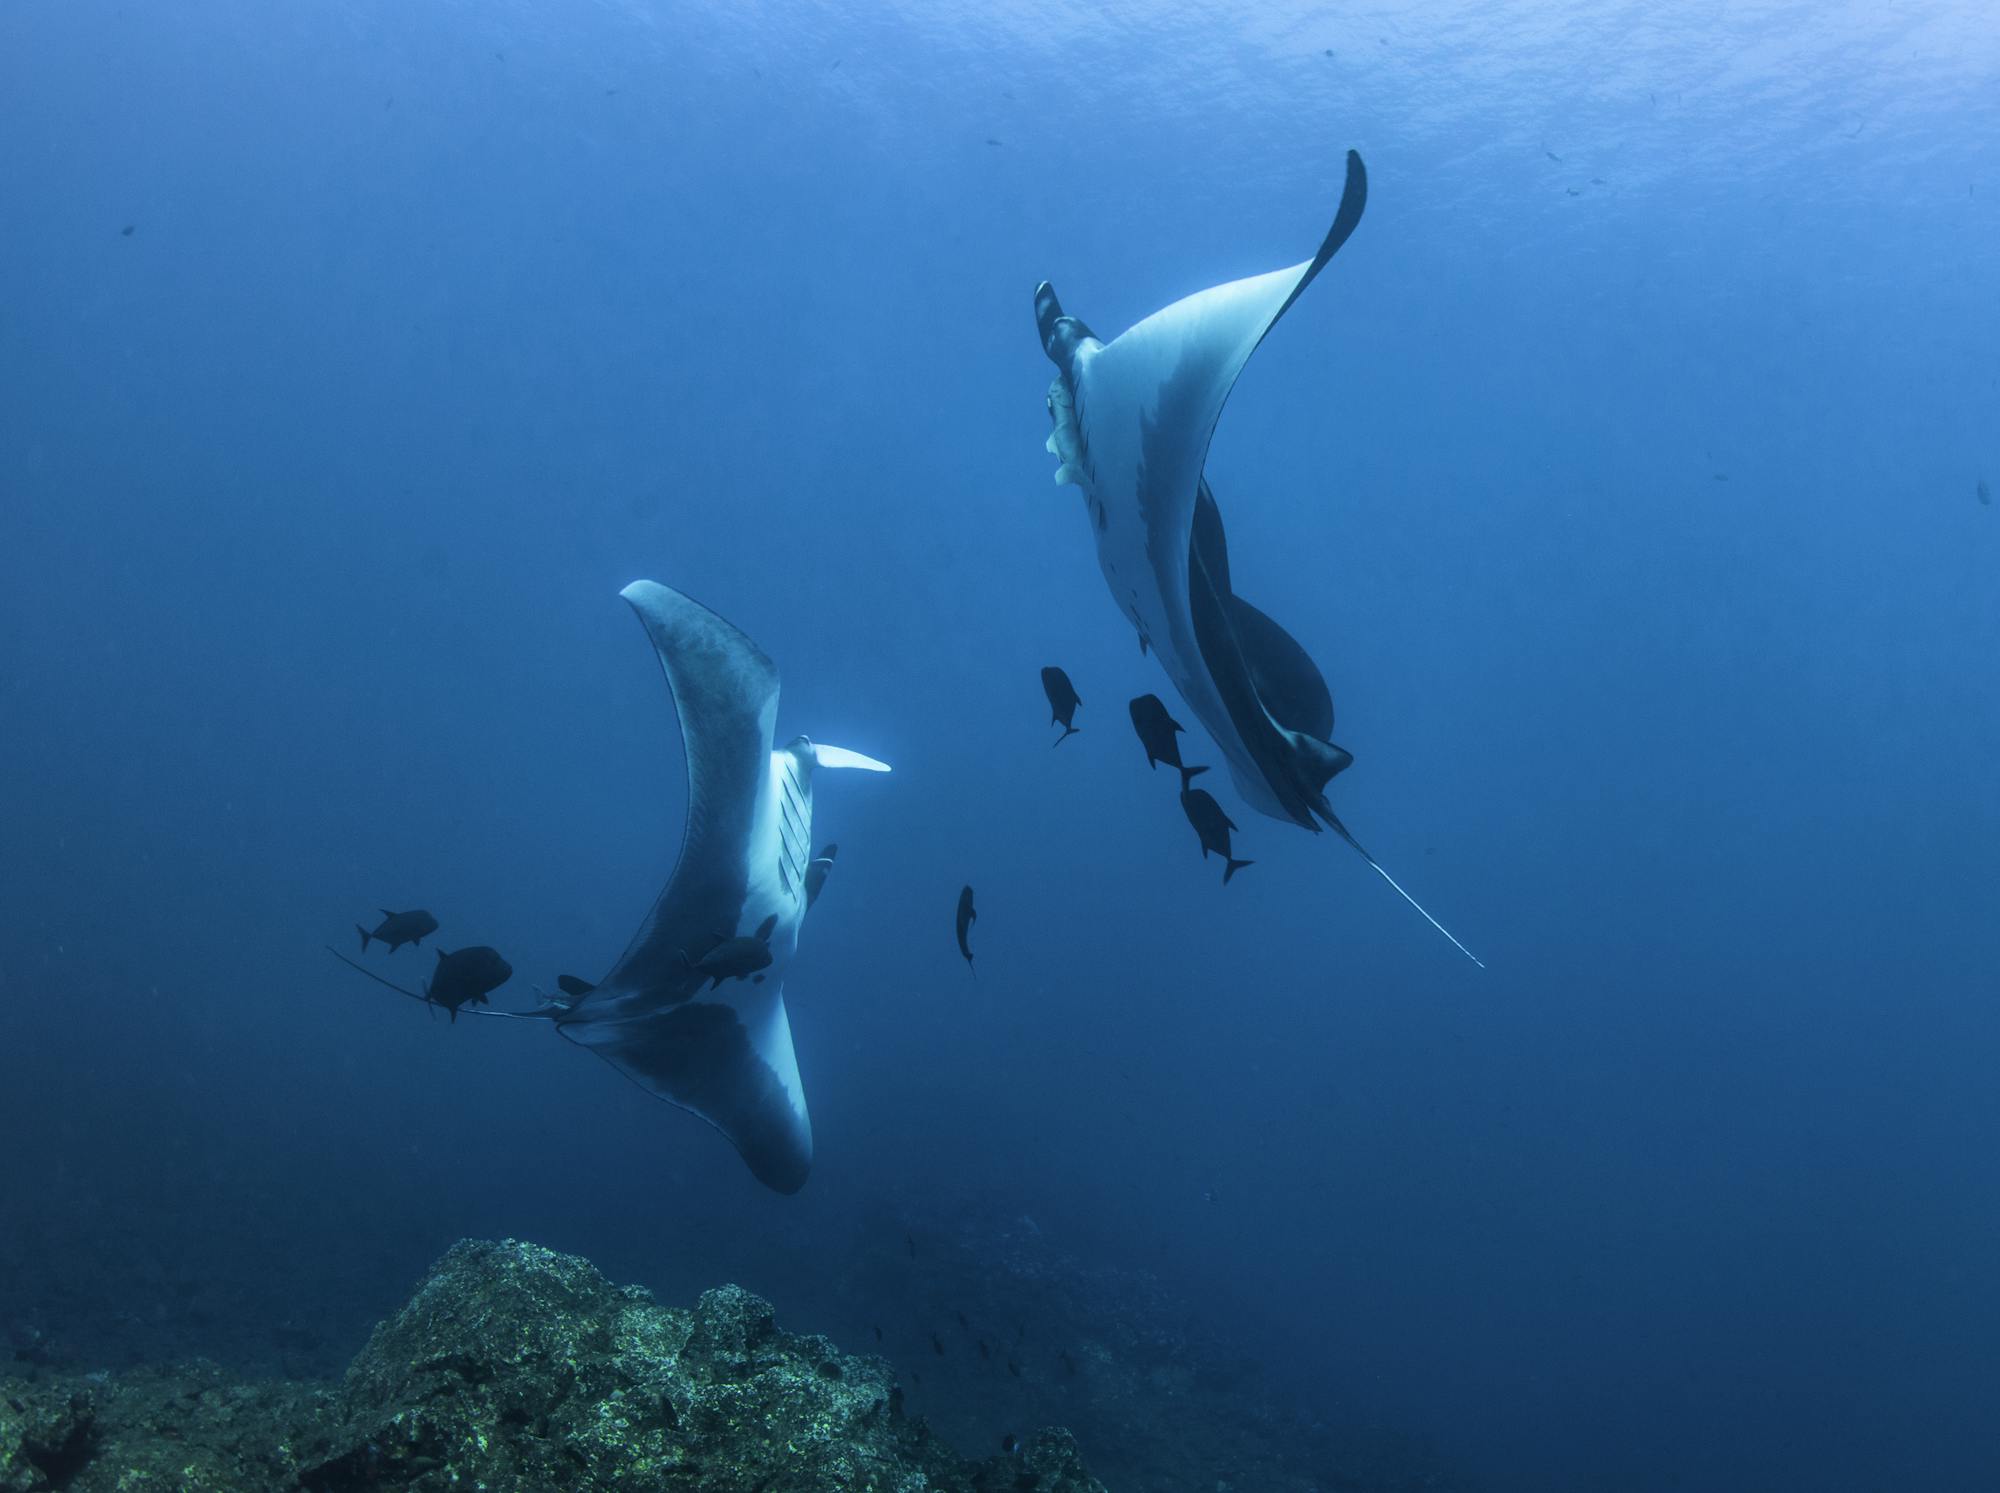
x=1132, y=421
x=694, y=1009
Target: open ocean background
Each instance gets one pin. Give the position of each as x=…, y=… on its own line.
x=1623, y=474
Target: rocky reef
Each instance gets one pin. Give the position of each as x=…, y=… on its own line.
x=514, y=1368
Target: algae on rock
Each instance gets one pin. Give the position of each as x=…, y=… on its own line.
x=514, y=1369
x=188, y=1429
x=517, y=1368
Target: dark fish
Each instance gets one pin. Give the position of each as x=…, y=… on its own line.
x=816, y=870
x=962, y=1322
x=1209, y=822
x=1068, y=1363
x=937, y=1345
x=984, y=1351
x=1985, y=494
x=126, y=231
x=912, y=1244
x=878, y=1332
x=1553, y=156
x=1157, y=731
x=736, y=958
x=1013, y=1368
x=468, y=975
x=966, y=918
x=399, y=928
x=572, y=987
x=1009, y=1442
x=1063, y=700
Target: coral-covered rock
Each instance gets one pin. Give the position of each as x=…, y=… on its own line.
x=46, y=1435
x=514, y=1368
x=189, y=1429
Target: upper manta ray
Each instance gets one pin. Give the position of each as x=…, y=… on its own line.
x=729, y=916
x=1133, y=419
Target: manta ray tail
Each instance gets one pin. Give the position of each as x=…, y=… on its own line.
x=1374, y=865
x=399, y=989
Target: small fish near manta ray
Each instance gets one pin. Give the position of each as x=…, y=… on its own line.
x=1213, y=827
x=1132, y=420
x=737, y=958
x=723, y=1053
x=1157, y=732
x=966, y=918
x=817, y=872
x=462, y=978
x=467, y=976
x=399, y=928
x=1063, y=701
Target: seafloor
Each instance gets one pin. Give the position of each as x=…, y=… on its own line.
x=515, y=1368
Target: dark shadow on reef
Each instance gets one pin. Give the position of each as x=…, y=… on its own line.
x=514, y=1368
x=996, y=1326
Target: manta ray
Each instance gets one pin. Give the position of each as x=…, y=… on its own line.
x=1132, y=420
x=729, y=917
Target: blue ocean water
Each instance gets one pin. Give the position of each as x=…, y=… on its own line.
x=1624, y=474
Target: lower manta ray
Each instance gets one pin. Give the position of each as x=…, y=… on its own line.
x=1133, y=419
x=745, y=877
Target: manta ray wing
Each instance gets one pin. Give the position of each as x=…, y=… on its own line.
x=726, y=694
x=725, y=1055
